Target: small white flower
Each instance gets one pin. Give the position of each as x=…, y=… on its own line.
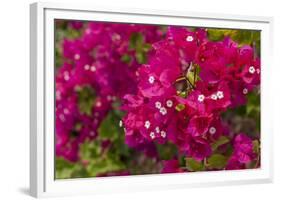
x=220, y=94
x=163, y=110
x=77, y=56
x=163, y=134
x=189, y=38
x=245, y=91
x=201, y=98
x=120, y=123
x=62, y=118
x=66, y=76
x=93, y=68
x=157, y=129
x=109, y=98
x=169, y=103
x=98, y=104
x=214, y=97
x=88, y=31
x=147, y=124
x=66, y=111
x=158, y=104
x=152, y=135
x=252, y=69
x=86, y=67
x=58, y=95
x=212, y=130
x=151, y=79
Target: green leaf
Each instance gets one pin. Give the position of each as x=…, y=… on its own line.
x=141, y=57
x=109, y=127
x=126, y=58
x=194, y=165
x=136, y=40
x=86, y=98
x=256, y=146
x=217, y=161
x=99, y=166
x=146, y=47
x=64, y=168
x=221, y=141
x=166, y=151
x=90, y=150
x=180, y=107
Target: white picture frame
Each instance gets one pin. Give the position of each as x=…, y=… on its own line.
x=42, y=181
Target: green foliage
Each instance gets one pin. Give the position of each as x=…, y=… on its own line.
x=256, y=146
x=137, y=43
x=180, y=107
x=64, y=169
x=126, y=58
x=166, y=151
x=108, y=128
x=217, y=161
x=194, y=165
x=221, y=141
x=86, y=98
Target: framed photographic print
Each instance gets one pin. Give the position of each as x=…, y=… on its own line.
x=130, y=100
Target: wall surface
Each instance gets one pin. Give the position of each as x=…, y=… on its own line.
x=14, y=99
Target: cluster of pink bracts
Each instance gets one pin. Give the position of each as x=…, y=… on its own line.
x=94, y=60
x=178, y=96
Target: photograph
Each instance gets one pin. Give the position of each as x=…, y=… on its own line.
x=138, y=99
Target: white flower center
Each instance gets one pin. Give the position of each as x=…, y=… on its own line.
x=189, y=38
x=220, y=94
x=77, y=56
x=158, y=104
x=245, y=91
x=157, y=129
x=152, y=135
x=58, y=95
x=62, y=118
x=66, y=76
x=66, y=111
x=163, y=134
x=163, y=111
x=169, y=103
x=214, y=97
x=151, y=79
x=147, y=124
x=212, y=130
x=86, y=67
x=98, y=104
x=201, y=98
x=93, y=68
x=109, y=98
x=252, y=70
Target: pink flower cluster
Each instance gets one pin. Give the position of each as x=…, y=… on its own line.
x=94, y=61
x=188, y=82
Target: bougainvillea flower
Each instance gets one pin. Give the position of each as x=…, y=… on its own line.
x=171, y=166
